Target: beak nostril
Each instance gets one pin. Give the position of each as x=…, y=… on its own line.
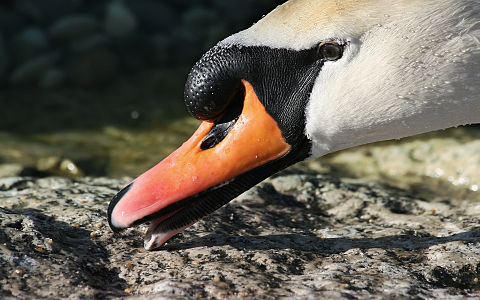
x=227, y=120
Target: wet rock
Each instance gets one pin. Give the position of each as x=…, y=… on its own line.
x=269, y=243
x=31, y=70
x=52, y=78
x=29, y=43
x=119, y=20
x=73, y=26
x=93, y=68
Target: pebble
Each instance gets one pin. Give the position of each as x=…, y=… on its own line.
x=31, y=70
x=10, y=170
x=73, y=26
x=119, y=20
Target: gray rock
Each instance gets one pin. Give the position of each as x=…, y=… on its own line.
x=346, y=240
x=73, y=26
x=93, y=68
x=52, y=78
x=31, y=70
x=29, y=42
x=119, y=20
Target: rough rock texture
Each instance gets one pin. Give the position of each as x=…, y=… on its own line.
x=297, y=234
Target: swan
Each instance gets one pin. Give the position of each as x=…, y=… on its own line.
x=310, y=78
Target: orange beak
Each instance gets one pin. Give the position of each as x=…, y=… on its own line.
x=170, y=190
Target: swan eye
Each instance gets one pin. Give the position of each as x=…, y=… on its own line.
x=331, y=51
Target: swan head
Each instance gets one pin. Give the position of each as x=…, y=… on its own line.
x=310, y=78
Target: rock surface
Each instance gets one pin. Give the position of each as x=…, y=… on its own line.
x=297, y=234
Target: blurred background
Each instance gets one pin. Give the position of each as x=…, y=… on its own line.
x=95, y=88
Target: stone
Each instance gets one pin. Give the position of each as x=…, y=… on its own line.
x=93, y=68
x=52, y=78
x=31, y=70
x=269, y=243
x=73, y=26
x=119, y=20
x=10, y=170
x=29, y=42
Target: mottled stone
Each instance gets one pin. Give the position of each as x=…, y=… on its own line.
x=349, y=239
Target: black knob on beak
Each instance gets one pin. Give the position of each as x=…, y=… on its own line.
x=213, y=83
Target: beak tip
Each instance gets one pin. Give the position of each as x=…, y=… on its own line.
x=111, y=222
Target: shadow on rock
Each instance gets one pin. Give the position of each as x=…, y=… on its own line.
x=303, y=242
x=69, y=257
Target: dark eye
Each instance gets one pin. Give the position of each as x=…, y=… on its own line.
x=331, y=51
